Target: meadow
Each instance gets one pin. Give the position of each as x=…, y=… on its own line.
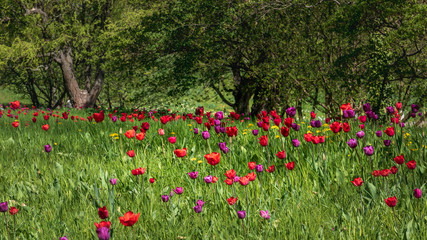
x=292, y=179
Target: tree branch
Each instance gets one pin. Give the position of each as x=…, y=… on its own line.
x=218, y=91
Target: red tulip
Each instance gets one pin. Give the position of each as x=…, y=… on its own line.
x=315, y=139
x=411, y=164
x=251, y=165
x=399, y=159
x=357, y=182
x=281, y=155
x=130, y=133
x=346, y=127
x=230, y=173
x=244, y=181
x=232, y=200
x=152, y=180
x=103, y=212
x=313, y=115
x=180, y=152
x=271, y=169
x=13, y=210
x=129, y=218
x=263, y=140
x=321, y=139
x=385, y=172
x=213, y=158
x=389, y=131
x=393, y=170
x=284, y=131
x=99, y=117
x=277, y=121
x=228, y=181
x=45, y=127
x=335, y=127
x=288, y=122
x=138, y=171
x=251, y=176
x=140, y=136
x=172, y=140
x=15, y=124
x=398, y=105
x=308, y=137
x=131, y=153
x=214, y=179
x=391, y=201
x=103, y=224
x=376, y=173
x=290, y=165
x=161, y=132
x=362, y=119
x=231, y=131
x=346, y=107
x=34, y=119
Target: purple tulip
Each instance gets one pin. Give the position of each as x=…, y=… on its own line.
x=379, y=133
x=241, y=214
x=366, y=107
x=295, y=142
x=260, y=124
x=217, y=122
x=171, y=194
x=390, y=109
x=179, y=190
x=225, y=150
x=236, y=178
x=113, y=181
x=200, y=203
x=219, y=115
x=295, y=126
x=222, y=145
x=402, y=124
x=352, y=143
x=415, y=108
x=103, y=233
x=165, y=198
x=264, y=214
x=48, y=148
x=193, y=175
x=206, y=135
x=413, y=115
x=63, y=238
x=217, y=129
x=207, y=179
x=387, y=143
x=291, y=111
x=417, y=193
x=369, y=150
x=114, y=119
x=360, y=134
x=259, y=168
x=197, y=208
x=196, y=131
x=420, y=114
x=255, y=132
x=3, y=207
x=222, y=129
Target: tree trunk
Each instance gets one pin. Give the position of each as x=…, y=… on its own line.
x=79, y=97
x=242, y=91
x=31, y=90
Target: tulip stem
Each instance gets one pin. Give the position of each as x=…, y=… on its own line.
x=361, y=200
x=7, y=228
x=14, y=227
x=243, y=226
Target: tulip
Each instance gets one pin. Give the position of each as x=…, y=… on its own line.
x=259, y=168
x=103, y=212
x=222, y=145
x=131, y=153
x=241, y=214
x=263, y=140
x=197, y=209
x=13, y=211
x=205, y=135
x=244, y=181
x=172, y=140
x=208, y=179
x=232, y=200
x=113, y=181
x=411, y=164
x=219, y=115
x=3, y=207
x=63, y=238
x=360, y=134
x=417, y=193
x=103, y=233
x=391, y=201
x=295, y=142
x=379, y=133
x=251, y=176
x=393, y=170
x=230, y=173
x=165, y=198
x=193, y=175
x=200, y=203
x=196, y=131
x=161, y=132
x=103, y=224
x=45, y=127
x=114, y=119
x=399, y=159
x=389, y=131
x=179, y=190
x=255, y=132
x=213, y=158
x=129, y=218
x=180, y=152
x=352, y=143
x=281, y=155
x=264, y=214
x=369, y=150
x=48, y=148
x=152, y=180
x=387, y=143
x=290, y=165
x=251, y=165
x=390, y=109
x=357, y=182
x=217, y=129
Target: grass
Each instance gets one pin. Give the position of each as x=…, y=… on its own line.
x=59, y=193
